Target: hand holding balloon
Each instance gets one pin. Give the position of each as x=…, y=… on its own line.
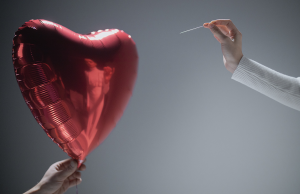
x=231, y=41
x=59, y=178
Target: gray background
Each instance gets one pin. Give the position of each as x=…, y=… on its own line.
x=188, y=127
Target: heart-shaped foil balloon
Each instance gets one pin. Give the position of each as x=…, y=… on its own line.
x=76, y=86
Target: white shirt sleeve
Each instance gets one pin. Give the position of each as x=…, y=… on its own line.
x=280, y=87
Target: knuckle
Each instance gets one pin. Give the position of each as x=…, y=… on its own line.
x=62, y=166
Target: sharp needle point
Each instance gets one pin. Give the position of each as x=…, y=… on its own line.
x=191, y=29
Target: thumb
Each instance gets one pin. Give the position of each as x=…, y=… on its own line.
x=66, y=168
x=218, y=34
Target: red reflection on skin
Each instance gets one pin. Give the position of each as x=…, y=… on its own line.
x=97, y=86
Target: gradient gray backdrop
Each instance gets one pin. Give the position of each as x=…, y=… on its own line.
x=188, y=127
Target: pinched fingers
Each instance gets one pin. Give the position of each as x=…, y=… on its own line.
x=233, y=32
x=217, y=32
x=224, y=22
x=227, y=28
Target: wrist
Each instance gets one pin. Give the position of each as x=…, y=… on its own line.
x=34, y=190
x=232, y=65
x=238, y=62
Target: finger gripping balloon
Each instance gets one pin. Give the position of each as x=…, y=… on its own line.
x=76, y=86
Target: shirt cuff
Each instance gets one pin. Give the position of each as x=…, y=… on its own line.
x=282, y=88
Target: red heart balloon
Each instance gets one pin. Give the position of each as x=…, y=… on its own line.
x=76, y=86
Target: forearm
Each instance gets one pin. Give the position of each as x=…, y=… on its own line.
x=280, y=87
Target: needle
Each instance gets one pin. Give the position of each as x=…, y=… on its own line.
x=191, y=29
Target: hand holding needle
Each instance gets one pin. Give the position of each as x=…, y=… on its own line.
x=230, y=39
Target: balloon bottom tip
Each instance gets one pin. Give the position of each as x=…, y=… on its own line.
x=79, y=163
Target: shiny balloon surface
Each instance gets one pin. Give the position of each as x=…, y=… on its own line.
x=76, y=86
